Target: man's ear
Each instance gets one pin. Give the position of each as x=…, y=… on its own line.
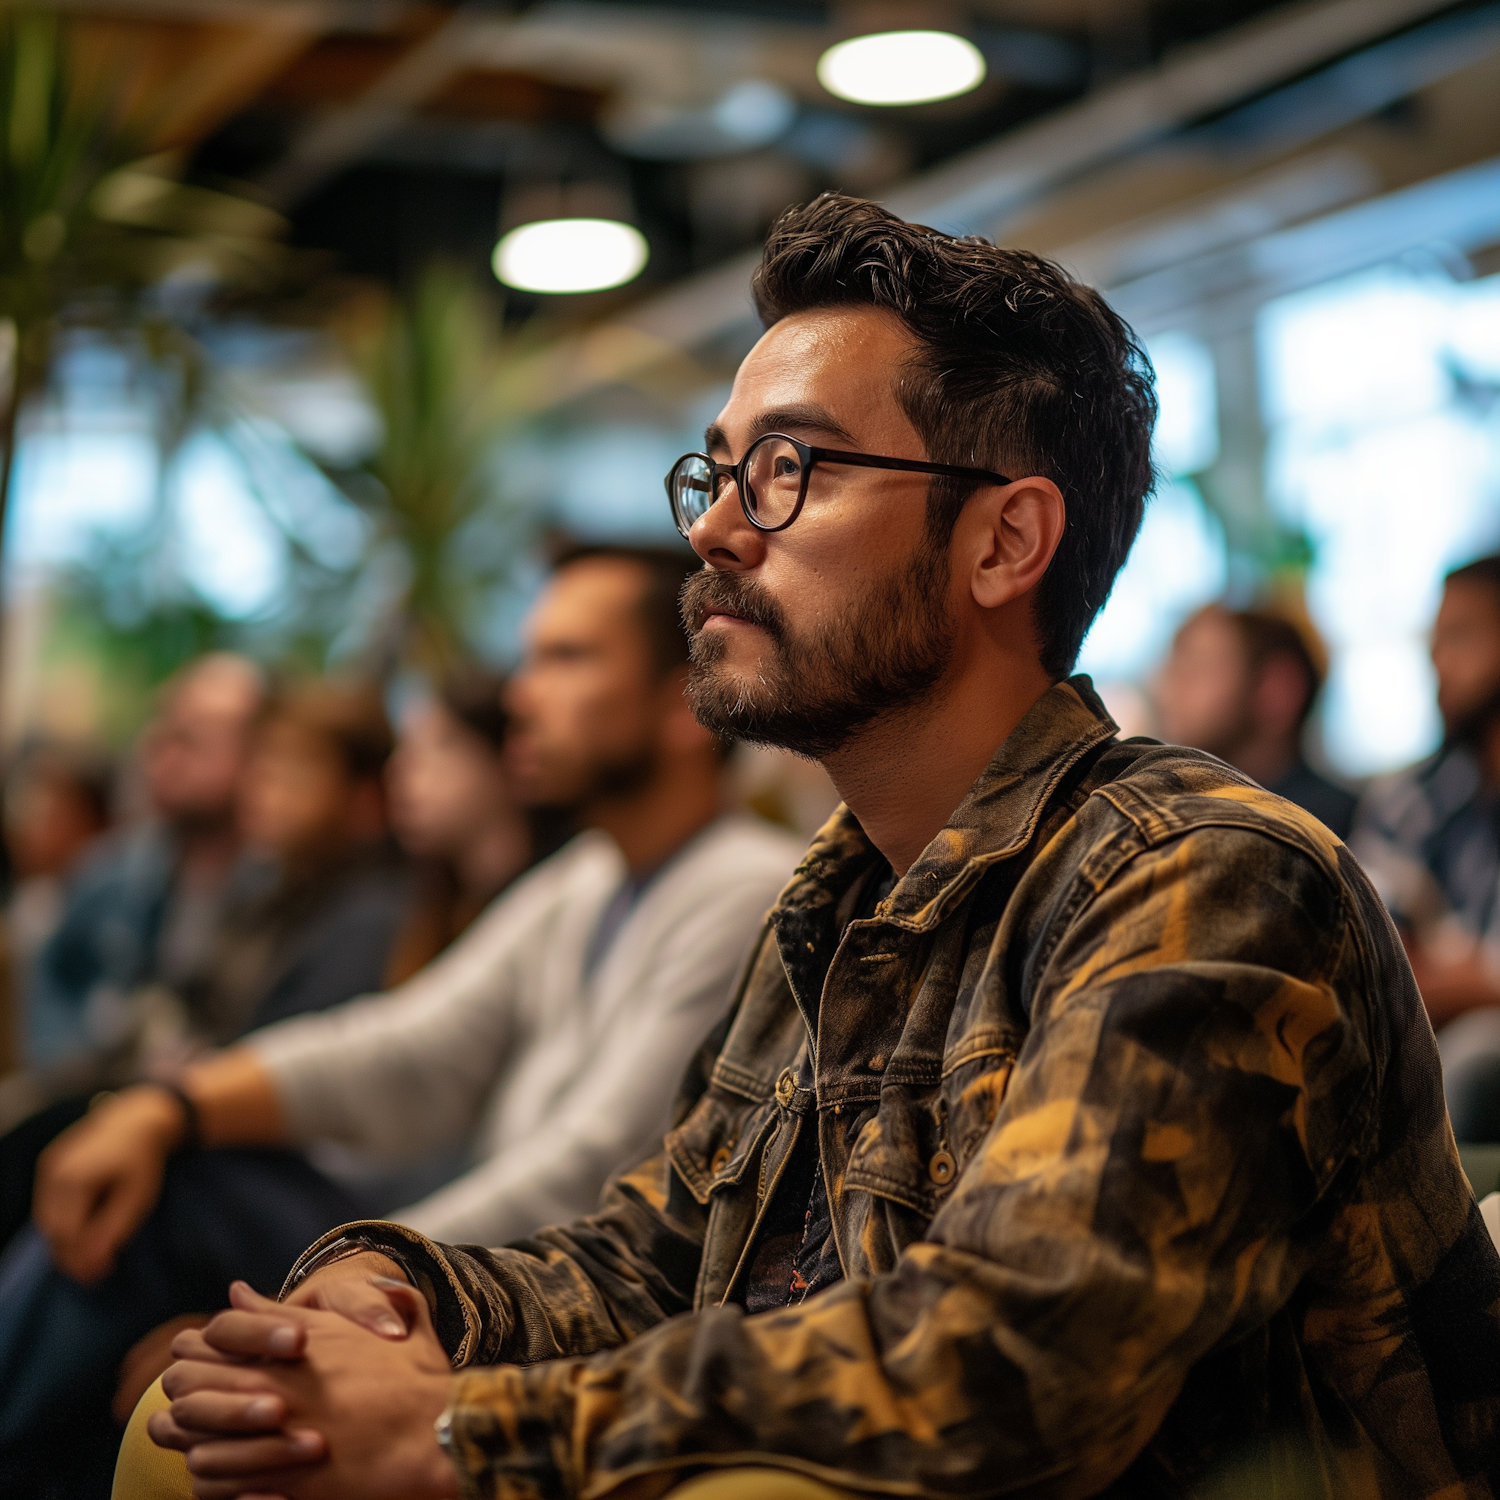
x=1008, y=534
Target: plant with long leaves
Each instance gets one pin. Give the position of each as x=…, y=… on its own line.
x=434, y=368
x=89, y=223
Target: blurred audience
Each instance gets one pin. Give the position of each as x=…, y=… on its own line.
x=546, y=1041
x=1430, y=840
x=145, y=908
x=314, y=920
x=57, y=802
x=1240, y=684
x=453, y=811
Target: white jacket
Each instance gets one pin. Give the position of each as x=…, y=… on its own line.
x=554, y=1080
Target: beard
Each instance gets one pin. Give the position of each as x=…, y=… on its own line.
x=814, y=692
x=1471, y=726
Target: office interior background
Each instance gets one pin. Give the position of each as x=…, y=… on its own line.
x=293, y=368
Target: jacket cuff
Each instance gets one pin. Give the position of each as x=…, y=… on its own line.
x=454, y=1316
x=509, y=1430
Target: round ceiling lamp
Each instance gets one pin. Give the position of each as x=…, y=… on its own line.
x=901, y=67
x=570, y=255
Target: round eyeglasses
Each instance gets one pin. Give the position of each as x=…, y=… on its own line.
x=772, y=479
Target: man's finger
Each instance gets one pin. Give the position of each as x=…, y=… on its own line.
x=167, y=1433
x=229, y=1411
x=257, y=1335
x=380, y=1304
x=190, y=1344
x=189, y=1376
x=247, y=1459
x=244, y=1296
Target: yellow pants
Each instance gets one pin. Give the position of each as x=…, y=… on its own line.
x=146, y=1472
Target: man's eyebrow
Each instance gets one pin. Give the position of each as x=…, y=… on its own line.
x=801, y=418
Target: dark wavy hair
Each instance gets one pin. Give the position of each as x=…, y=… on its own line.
x=1021, y=369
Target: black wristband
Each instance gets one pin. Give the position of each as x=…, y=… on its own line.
x=192, y=1123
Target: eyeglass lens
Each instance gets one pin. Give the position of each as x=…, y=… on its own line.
x=773, y=484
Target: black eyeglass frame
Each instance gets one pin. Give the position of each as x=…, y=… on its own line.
x=810, y=456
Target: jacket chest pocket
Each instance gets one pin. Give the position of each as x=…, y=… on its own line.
x=720, y=1141
x=919, y=1139
x=902, y=1153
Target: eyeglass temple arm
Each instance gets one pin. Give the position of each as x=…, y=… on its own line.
x=919, y=466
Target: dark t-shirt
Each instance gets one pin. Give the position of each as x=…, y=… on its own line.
x=1330, y=804
x=795, y=1252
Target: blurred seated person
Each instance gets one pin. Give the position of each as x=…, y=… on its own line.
x=319, y=924
x=1429, y=837
x=547, y=1039
x=453, y=811
x=57, y=802
x=312, y=915
x=1240, y=684
x=145, y=908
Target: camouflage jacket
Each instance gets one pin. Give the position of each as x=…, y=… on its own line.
x=1148, y=1190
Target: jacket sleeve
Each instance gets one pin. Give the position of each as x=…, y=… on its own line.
x=1195, y=1076
x=565, y=1291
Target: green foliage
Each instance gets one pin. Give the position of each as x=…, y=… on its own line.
x=433, y=370
x=87, y=224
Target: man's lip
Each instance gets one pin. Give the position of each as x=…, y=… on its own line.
x=723, y=614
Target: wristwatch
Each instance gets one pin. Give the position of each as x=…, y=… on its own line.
x=442, y=1430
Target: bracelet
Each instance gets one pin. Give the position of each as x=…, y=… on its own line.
x=343, y=1248
x=192, y=1121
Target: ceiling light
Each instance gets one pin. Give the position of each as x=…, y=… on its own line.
x=901, y=67
x=570, y=255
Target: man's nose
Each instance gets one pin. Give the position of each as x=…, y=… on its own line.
x=724, y=538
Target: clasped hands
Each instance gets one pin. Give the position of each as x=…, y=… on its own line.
x=333, y=1393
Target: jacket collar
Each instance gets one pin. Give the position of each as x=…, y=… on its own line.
x=994, y=822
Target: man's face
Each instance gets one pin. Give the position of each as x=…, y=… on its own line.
x=194, y=755
x=587, y=702
x=801, y=638
x=1205, y=688
x=297, y=798
x=445, y=784
x=1466, y=653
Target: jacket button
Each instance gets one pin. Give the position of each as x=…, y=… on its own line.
x=941, y=1168
x=786, y=1086
x=720, y=1161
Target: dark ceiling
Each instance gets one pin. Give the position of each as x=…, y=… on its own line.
x=435, y=182
x=390, y=133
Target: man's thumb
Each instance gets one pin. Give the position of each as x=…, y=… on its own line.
x=374, y=1302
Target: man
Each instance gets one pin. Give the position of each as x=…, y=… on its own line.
x=1076, y=1124
x=1430, y=840
x=534, y=1048
x=1241, y=684
x=145, y=911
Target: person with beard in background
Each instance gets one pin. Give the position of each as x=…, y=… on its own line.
x=1241, y=685
x=1430, y=839
x=1076, y=1127
x=545, y=1041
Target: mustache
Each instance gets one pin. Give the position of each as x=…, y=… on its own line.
x=730, y=593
